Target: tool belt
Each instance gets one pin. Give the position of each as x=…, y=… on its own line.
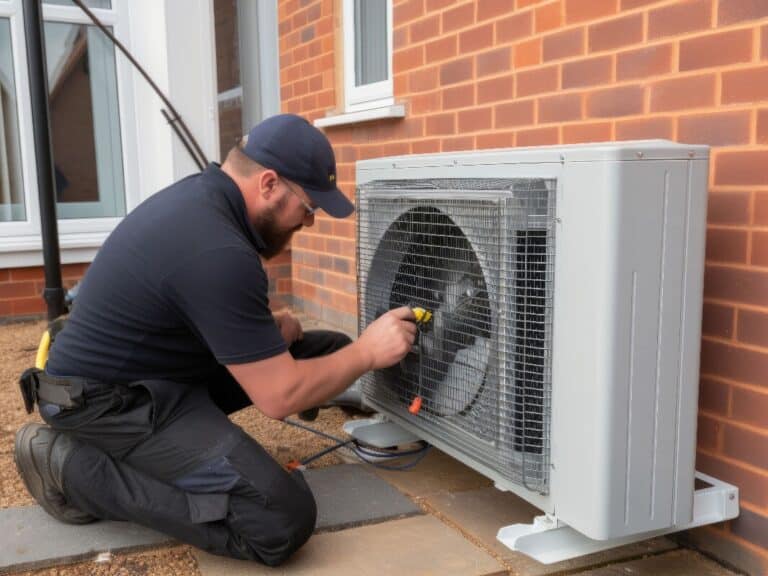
x=37, y=386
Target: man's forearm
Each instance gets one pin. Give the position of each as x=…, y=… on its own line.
x=280, y=385
x=325, y=377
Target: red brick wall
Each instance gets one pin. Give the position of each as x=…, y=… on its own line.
x=21, y=289
x=497, y=73
x=323, y=271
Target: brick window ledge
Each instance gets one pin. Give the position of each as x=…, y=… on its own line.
x=389, y=111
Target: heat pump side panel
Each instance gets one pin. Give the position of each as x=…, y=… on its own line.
x=691, y=321
x=629, y=281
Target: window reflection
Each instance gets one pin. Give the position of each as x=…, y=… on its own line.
x=11, y=185
x=85, y=126
x=89, y=3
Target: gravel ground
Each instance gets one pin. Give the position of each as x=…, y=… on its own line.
x=177, y=561
x=18, y=344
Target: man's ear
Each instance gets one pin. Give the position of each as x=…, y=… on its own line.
x=267, y=180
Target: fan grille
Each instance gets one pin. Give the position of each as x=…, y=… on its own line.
x=479, y=254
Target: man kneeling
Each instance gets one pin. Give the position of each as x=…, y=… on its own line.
x=172, y=332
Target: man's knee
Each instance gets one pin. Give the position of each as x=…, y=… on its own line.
x=285, y=524
x=296, y=526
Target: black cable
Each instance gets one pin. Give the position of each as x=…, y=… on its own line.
x=198, y=156
x=313, y=430
x=421, y=454
x=322, y=453
x=388, y=454
x=362, y=452
x=184, y=141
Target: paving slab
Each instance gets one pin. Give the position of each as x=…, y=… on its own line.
x=33, y=539
x=414, y=546
x=346, y=495
x=481, y=513
x=716, y=544
x=437, y=472
x=351, y=495
x=676, y=563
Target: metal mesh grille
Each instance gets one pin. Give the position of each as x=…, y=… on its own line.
x=479, y=254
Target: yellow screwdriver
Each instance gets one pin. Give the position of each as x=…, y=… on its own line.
x=423, y=319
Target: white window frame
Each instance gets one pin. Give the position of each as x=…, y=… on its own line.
x=369, y=96
x=20, y=242
x=259, y=61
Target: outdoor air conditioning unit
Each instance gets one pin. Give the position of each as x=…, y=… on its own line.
x=562, y=358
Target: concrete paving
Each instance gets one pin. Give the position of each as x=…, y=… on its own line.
x=414, y=546
x=350, y=495
x=677, y=563
x=481, y=513
x=33, y=539
x=437, y=472
x=347, y=495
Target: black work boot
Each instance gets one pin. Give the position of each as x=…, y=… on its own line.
x=39, y=453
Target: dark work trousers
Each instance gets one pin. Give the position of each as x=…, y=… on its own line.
x=165, y=455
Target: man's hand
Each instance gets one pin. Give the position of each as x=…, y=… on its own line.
x=289, y=325
x=389, y=338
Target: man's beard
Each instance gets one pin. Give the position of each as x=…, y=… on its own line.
x=275, y=239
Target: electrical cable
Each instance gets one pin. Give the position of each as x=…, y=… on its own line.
x=184, y=134
x=313, y=430
x=322, y=453
x=364, y=453
x=421, y=454
x=376, y=453
x=181, y=137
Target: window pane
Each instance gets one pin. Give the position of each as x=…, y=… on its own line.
x=11, y=185
x=89, y=3
x=370, y=41
x=85, y=122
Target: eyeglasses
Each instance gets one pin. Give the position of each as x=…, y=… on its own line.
x=309, y=209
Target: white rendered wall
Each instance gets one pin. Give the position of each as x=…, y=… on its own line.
x=174, y=42
x=191, y=62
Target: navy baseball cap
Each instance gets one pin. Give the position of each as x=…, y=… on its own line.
x=295, y=149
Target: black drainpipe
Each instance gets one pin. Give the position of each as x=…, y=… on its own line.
x=38, y=87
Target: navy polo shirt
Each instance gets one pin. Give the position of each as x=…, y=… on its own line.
x=176, y=290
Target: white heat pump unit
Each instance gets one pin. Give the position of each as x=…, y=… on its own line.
x=562, y=357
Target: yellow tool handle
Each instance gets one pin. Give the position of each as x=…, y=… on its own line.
x=42, y=350
x=422, y=315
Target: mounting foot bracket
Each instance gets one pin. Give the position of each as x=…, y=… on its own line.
x=548, y=540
